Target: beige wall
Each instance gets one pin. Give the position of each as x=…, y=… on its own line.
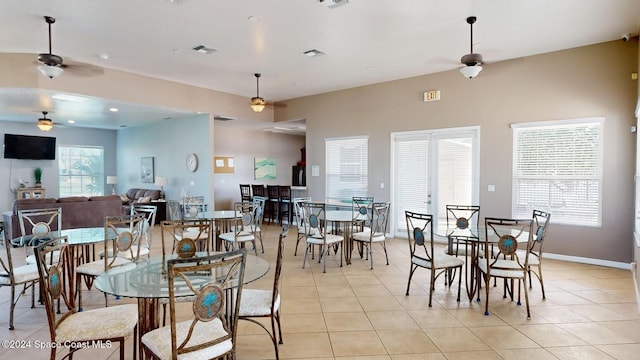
x=244, y=144
x=581, y=82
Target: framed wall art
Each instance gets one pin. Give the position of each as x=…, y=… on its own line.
x=265, y=168
x=146, y=169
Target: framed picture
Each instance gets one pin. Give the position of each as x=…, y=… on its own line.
x=265, y=168
x=146, y=169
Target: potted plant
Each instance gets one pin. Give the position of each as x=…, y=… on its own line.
x=37, y=173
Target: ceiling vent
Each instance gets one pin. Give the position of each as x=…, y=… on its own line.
x=333, y=3
x=202, y=49
x=222, y=118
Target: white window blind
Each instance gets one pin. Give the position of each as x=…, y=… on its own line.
x=81, y=171
x=558, y=168
x=411, y=176
x=347, y=167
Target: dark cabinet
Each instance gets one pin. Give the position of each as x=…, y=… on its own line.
x=299, y=176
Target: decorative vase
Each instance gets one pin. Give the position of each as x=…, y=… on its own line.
x=38, y=185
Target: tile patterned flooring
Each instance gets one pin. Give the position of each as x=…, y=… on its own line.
x=356, y=313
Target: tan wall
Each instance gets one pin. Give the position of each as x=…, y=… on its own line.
x=582, y=82
x=244, y=145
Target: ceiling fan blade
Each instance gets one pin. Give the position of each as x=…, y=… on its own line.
x=82, y=69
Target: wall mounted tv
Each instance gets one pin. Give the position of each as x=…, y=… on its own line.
x=29, y=147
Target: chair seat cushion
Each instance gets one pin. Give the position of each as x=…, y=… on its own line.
x=102, y=323
x=96, y=268
x=533, y=259
x=256, y=302
x=462, y=251
x=503, y=269
x=21, y=274
x=331, y=239
x=159, y=340
x=31, y=259
x=366, y=235
x=231, y=236
x=441, y=261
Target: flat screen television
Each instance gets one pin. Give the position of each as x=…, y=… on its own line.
x=29, y=147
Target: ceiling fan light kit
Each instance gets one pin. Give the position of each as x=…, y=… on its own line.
x=50, y=71
x=257, y=103
x=45, y=124
x=472, y=61
x=471, y=71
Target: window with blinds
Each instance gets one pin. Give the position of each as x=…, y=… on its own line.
x=346, y=167
x=81, y=171
x=557, y=167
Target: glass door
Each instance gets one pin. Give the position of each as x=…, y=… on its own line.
x=432, y=169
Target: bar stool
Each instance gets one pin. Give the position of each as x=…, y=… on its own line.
x=285, y=205
x=273, y=202
x=245, y=192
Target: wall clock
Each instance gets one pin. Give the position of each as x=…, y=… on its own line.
x=192, y=162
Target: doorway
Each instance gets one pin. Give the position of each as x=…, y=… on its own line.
x=432, y=169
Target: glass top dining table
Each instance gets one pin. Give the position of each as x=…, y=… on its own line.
x=80, y=236
x=147, y=278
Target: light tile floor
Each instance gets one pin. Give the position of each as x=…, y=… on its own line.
x=352, y=312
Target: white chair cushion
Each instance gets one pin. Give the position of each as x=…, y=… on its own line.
x=21, y=274
x=441, y=261
x=230, y=236
x=109, y=322
x=365, y=235
x=31, y=259
x=533, y=260
x=505, y=269
x=159, y=340
x=331, y=239
x=96, y=268
x=256, y=302
x=194, y=233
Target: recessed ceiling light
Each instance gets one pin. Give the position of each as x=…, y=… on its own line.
x=71, y=121
x=203, y=49
x=104, y=56
x=113, y=109
x=313, y=52
x=254, y=18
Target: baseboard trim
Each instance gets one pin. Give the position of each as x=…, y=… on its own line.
x=590, y=261
x=576, y=259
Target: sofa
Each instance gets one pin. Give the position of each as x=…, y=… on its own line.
x=135, y=196
x=77, y=211
x=139, y=196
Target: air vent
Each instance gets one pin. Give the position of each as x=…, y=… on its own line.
x=313, y=53
x=203, y=49
x=222, y=118
x=333, y=3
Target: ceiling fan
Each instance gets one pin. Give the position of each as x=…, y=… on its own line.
x=44, y=123
x=52, y=65
x=472, y=61
x=257, y=103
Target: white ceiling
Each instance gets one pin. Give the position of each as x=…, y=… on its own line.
x=364, y=41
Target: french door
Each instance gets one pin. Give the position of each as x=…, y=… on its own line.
x=432, y=169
